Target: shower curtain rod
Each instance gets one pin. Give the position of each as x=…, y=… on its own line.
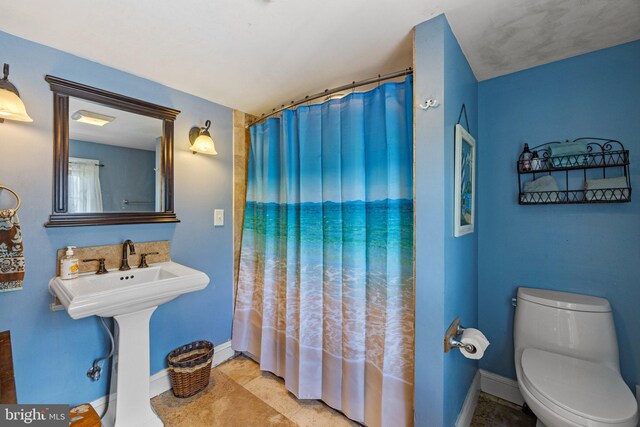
x=328, y=92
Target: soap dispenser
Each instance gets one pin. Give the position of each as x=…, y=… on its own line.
x=69, y=268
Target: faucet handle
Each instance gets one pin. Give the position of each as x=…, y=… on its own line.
x=101, y=268
x=143, y=259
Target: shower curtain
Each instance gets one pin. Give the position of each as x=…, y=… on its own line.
x=325, y=288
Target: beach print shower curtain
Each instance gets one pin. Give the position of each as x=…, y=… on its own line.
x=325, y=288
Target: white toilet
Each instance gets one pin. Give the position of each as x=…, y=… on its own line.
x=567, y=362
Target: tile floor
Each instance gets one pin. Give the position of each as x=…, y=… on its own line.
x=240, y=395
x=495, y=412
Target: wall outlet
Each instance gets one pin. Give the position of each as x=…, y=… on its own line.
x=218, y=217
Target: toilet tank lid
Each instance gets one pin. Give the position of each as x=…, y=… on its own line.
x=565, y=300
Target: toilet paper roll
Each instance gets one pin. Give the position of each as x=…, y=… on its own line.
x=477, y=339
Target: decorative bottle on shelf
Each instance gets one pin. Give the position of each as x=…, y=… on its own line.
x=526, y=158
x=536, y=163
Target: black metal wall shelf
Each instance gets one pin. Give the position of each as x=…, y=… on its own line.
x=604, y=154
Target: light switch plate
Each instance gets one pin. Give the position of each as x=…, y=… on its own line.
x=218, y=217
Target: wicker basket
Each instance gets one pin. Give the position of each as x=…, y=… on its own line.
x=190, y=367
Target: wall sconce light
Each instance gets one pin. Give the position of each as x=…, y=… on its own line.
x=201, y=141
x=11, y=106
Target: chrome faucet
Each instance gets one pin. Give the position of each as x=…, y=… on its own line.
x=124, y=265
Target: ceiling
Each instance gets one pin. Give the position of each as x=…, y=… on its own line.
x=253, y=55
x=126, y=130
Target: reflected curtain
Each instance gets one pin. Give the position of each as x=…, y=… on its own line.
x=325, y=288
x=85, y=194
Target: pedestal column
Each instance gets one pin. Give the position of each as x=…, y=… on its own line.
x=130, y=374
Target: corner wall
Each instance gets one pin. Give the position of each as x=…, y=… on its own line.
x=461, y=253
x=52, y=352
x=241, y=146
x=592, y=249
x=446, y=267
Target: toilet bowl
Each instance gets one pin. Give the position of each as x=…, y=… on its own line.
x=567, y=361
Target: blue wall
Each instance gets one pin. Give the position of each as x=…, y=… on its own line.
x=128, y=174
x=446, y=267
x=52, y=352
x=591, y=249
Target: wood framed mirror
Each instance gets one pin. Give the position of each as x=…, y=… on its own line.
x=113, y=158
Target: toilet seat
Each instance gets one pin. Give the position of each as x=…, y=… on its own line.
x=582, y=392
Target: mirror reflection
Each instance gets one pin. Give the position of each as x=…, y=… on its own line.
x=114, y=160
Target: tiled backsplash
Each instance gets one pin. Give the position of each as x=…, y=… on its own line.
x=113, y=255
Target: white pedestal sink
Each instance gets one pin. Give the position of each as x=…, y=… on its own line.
x=130, y=297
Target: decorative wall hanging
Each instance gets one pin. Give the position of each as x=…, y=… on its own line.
x=465, y=185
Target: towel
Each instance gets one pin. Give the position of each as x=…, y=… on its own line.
x=11, y=255
x=606, y=189
x=544, y=189
x=569, y=154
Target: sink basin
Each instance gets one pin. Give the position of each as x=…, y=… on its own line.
x=130, y=297
x=121, y=292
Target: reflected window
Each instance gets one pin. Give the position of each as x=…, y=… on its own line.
x=85, y=194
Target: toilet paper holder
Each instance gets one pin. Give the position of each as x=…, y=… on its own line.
x=450, y=338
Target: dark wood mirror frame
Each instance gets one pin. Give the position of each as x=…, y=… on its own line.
x=60, y=217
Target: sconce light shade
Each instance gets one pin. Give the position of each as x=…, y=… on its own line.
x=201, y=141
x=11, y=106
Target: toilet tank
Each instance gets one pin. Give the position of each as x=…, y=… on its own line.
x=572, y=324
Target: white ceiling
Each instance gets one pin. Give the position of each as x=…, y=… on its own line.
x=126, y=130
x=255, y=54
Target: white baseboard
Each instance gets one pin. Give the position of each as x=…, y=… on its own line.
x=470, y=403
x=499, y=386
x=100, y=404
x=160, y=381
x=223, y=352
